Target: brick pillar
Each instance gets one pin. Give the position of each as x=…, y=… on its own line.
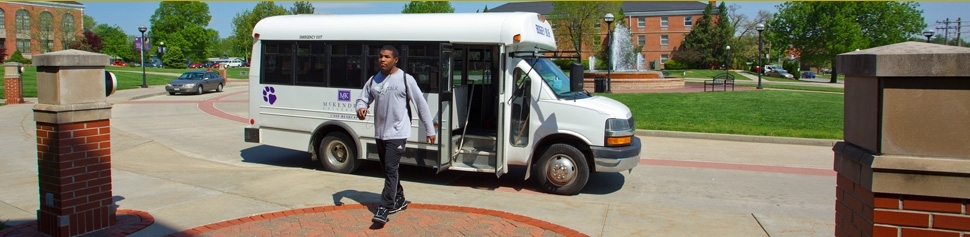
x=13, y=83
x=904, y=167
x=73, y=144
x=222, y=72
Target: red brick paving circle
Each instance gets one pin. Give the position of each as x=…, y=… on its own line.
x=129, y=221
x=355, y=219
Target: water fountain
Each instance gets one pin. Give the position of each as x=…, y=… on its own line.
x=628, y=72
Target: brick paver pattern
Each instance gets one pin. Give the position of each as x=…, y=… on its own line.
x=128, y=221
x=355, y=220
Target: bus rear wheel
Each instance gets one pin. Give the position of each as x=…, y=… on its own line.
x=337, y=153
x=562, y=170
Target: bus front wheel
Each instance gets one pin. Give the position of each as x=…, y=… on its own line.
x=562, y=170
x=337, y=153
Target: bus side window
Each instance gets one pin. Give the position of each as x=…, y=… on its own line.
x=520, y=109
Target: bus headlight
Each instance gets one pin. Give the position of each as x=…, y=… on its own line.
x=619, y=132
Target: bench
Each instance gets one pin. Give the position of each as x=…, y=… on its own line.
x=723, y=80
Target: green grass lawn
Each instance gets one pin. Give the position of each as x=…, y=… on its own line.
x=699, y=73
x=234, y=73
x=762, y=113
x=126, y=80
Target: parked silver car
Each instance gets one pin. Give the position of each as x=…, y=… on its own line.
x=778, y=72
x=196, y=82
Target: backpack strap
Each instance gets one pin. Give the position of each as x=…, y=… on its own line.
x=407, y=94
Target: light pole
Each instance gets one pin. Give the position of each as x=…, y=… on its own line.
x=609, y=51
x=760, y=27
x=928, y=33
x=144, y=82
x=161, y=53
x=727, y=60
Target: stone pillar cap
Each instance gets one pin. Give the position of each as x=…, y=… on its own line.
x=12, y=64
x=907, y=59
x=71, y=58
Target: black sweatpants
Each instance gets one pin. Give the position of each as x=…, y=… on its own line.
x=390, y=152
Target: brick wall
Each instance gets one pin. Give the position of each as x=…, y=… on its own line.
x=35, y=9
x=12, y=92
x=909, y=215
x=853, y=208
x=74, y=174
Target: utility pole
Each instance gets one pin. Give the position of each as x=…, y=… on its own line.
x=946, y=31
x=959, y=28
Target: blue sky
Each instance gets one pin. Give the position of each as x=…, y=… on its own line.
x=130, y=15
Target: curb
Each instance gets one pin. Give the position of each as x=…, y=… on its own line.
x=739, y=138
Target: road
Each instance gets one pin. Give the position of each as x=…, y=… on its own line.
x=182, y=159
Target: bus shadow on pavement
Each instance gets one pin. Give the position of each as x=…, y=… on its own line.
x=270, y=155
x=599, y=183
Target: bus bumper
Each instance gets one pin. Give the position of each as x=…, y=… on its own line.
x=251, y=135
x=616, y=159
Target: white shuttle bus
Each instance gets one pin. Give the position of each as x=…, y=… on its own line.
x=497, y=100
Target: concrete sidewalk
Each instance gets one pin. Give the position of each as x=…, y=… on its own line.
x=206, y=181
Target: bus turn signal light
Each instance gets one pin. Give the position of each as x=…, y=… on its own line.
x=618, y=141
x=517, y=37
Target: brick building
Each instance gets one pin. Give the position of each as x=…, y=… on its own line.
x=659, y=26
x=39, y=27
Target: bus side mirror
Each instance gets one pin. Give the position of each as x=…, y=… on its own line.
x=576, y=77
x=110, y=83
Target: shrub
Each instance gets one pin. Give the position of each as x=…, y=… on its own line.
x=792, y=67
x=674, y=65
x=18, y=57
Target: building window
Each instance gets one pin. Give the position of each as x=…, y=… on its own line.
x=663, y=40
x=46, y=32
x=663, y=58
x=663, y=21
x=3, y=22
x=641, y=23
x=23, y=45
x=688, y=20
x=641, y=40
x=67, y=30
x=22, y=21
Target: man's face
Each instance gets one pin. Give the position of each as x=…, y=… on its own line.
x=388, y=60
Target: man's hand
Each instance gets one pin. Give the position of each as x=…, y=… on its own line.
x=431, y=139
x=362, y=113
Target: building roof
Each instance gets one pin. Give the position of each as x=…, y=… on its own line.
x=62, y=4
x=629, y=8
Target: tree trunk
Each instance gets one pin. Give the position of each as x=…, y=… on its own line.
x=835, y=74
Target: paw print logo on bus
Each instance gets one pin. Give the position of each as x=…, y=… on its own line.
x=269, y=94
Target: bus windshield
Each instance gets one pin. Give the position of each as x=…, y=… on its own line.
x=555, y=78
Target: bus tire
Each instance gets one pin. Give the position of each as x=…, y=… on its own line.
x=338, y=153
x=562, y=170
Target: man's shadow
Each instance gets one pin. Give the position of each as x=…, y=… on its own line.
x=368, y=199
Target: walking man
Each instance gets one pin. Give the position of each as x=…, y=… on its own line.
x=391, y=91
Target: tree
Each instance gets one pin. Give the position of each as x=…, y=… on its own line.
x=90, y=42
x=302, y=7
x=89, y=23
x=823, y=30
x=428, y=7
x=116, y=42
x=244, y=22
x=724, y=33
x=173, y=58
x=699, y=43
x=575, y=22
x=182, y=25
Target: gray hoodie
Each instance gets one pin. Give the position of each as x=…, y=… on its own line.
x=390, y=116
